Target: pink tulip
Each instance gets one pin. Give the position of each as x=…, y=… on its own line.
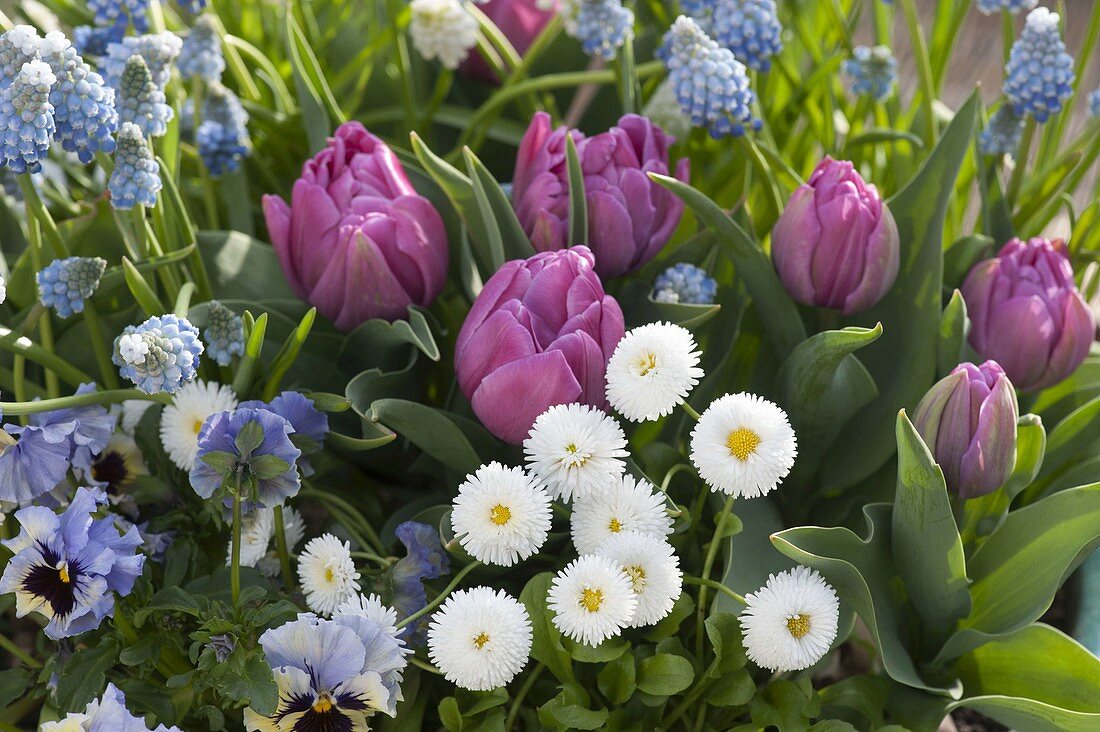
x=520, y=21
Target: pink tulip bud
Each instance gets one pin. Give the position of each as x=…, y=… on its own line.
x=836, y=243
x=520, y=21
x=357, y=240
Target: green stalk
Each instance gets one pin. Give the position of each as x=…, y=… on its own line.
x=524, y=690
x=107, y=371
x=11, y=647
x=708, y=564
x=361, y=522
x=280, y=546
x=441, y=596
x=688, y=579
x=924, y=68
x=45, y=323
x=37, y=210
x=1021, y=161
x=235, y=569
x=1008, y=34
x=690, y=411
x=18, y=409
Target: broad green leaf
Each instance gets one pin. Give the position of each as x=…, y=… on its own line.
x=430, y=429
x=320, y=112
x=578, y=203
x=546, y=640
x=168, y=599
x=878, y=135
x=254, y=682
x=1071, y=437
x=962, y=255
x=616, y=680
x=927, y=548
x=1038, y=679
x=242, y=268
x=609, y=650
x=664, y=674
x=15, y=681
x=565, y=712
x=724, y=632
x=83, y=676
x=903, y=361
x=494, y=205
x=751, y=556
x=954, y=327
x=449, y=714
x=822, y=385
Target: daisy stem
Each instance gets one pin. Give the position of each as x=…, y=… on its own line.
x=517, y=703
x=441, y=596
x=716, y=586
x=235, y=570
x=280, y=546
x=708, y=564
x=11, y=647
x=360, y=521
x=690, y=410
x=372, y=557
x=424, y=665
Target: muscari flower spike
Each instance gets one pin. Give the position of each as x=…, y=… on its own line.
x=222, y=136
x=26, y=118
x=93, y=40
x=749, y=28
x=873, y=71
x=711, y=85
x=602, y=26
x=141, y=101
x=685, y=283
x=136, y=177
x=160, y=51
x=160, y=355
x=112, y=12
x=69, y=567
x=17, y=47
x=193, y=6
x=1094, y=107
x=988, y=7
x=224, y=334
x=65, y=284
x=1003, y=133
x=84, y=107
x=201, y=53
x=1039, y=75
x=696, y=8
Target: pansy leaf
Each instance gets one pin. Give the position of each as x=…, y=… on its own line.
x=265, y=467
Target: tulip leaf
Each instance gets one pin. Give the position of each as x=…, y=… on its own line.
x=1038, y=679
x=822, y=385
x=1016, y=572
x=242, y=268
x=903, y=362
x=863, y=575
x=320, y=110
x=750, y=556
x=253, y=345
x=358, y=444
x=378, y=343
x=954, y=328
x=430, y=429
x=776, y=310
x=878, y=135
x=497, y=209
x=141, y=290
x=578, y=206
x=287, y=354
x=546, y=639
x=1071, y=437
x=927, y=548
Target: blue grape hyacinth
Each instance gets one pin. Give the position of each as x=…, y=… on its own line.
x=1003, y=133
x=112, y=12
x=93, y=40
x=711, y=85
x=222, y=137
x=1094, y=103
x=685, y=283
x=602, y=26
x=749, y=28
x=65, y=284
x=141, y=101
x=201, y=53
x=160, y=355
x=1039, y=75
x=193, y=6
x=17, y=47
x=988, y=7
x=84, y=107
x=873, y=71
x=26, y=118
x=136, y=177
x=224, y=334
x=160, y=51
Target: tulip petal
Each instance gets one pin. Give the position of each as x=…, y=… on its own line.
x=1078, y=333
x=610, y=233
x=498, y=341
x=1021, y=338
x=880, y=267
x=794, y=238
x=991, y=456
x=510, y=399
x=587, y=363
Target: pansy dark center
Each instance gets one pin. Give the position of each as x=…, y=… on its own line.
x=111, y=469
x=327, y=711
x=55, y=582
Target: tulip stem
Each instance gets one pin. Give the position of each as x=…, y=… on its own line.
x=441, y=596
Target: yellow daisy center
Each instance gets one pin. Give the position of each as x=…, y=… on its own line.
x=742, y=443
x=591, y=600
x=481, y=640
x=196, y=426
x=323, y=703
x=615, y=525
x=637, y=576
x=798, y=625
x=647, y=363
x=500, y=514
x=329, y=574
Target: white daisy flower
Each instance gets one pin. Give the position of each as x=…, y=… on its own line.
x=130, y=413
x=442, y=29
x=592, y=599
x=652, y=370
x=181, y=420
x=654, y=571
x=372, y=608
x=327, y=573
x=575, y=449
x=480, y=638
x=790, y=623
x=627, y=505
x=743, y=445
x=258, y=546
x=501, y=515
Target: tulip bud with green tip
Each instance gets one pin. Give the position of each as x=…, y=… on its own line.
x=968, y=420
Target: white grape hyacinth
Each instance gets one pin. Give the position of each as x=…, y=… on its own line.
x=575, y=450
x=480, y=638
x=442, y=29
x=628, y=505
x=654, y=571
x=592, y=599
x=653, y=369
x=790, y=623
x=500, y=516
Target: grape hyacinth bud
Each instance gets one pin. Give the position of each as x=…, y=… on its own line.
x=749, y=28
x=442, y=29
x=93, y=40
x=224, y=334
x=711, y=85
x=1039, y=75
x=160, y=51
x=17, y=47
x=1094, y=103
x=84, y=107
x=988, y=7
x=685, y=283
x=222, y=136
x=141, y=101
x=136, y=177
x=201, y=53
x=602, y=26
x=1003, y=133
x=873, y=71
x=968, y=421
x=160, y=355
x=26, y=118
x=697, y=8
x=111, y=12
x=1027, y=314
x=65, y=284
x=836, y=244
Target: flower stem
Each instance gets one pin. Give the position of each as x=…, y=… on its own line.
x=80, y=400
x=441, y=596
x=361, y=522
x=708, y=564
x=235, y=569
x=11, y=647
x=280, y=546
x=517, y=703
x=45, y=325
x=691, y=411
x=424, y=665
x=107, y=371
x=1021, y=161
x=716, y=586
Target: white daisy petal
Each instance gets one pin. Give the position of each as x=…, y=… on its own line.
x=258, y=547
x=592, y=599
x=574, y=450
x=501, y=516
x=627, y=505
x=654, y=571
x=743, y=445
x=181, y=420
x=480, y=638
x=372, y=608
x=790, y=623
x=327, y=573
x=653, y=369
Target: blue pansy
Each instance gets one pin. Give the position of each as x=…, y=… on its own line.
x=425, y=559
x=92, y=427
x=106, y=714
x=33, y=460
